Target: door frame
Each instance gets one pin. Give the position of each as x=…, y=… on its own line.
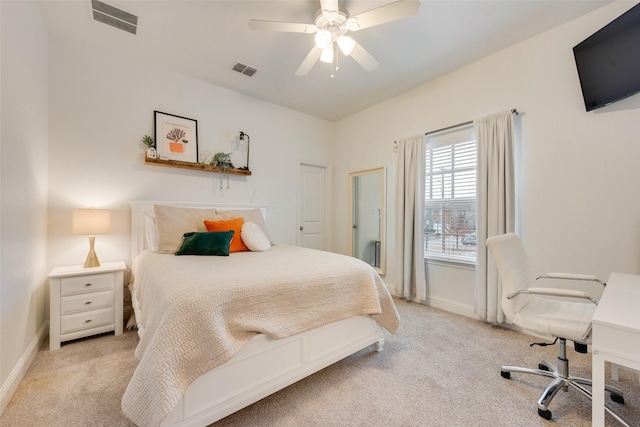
x=328, y=238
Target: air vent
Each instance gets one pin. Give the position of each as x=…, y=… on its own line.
x=244, y=69
x=115, y=17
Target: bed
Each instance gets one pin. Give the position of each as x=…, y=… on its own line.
x=222, y=332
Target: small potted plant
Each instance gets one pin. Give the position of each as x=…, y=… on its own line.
x=223, y=161
x=147, y=141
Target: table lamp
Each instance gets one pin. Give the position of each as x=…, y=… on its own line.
x=91, y=222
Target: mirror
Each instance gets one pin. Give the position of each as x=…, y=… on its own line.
x=367, y=216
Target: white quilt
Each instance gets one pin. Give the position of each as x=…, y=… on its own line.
x=198, y=312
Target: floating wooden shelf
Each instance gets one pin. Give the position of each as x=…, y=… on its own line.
x=194, y=166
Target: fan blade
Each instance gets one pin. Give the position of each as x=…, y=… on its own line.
x=391, y=12
x=289, y=27
x=309, y=61
x=364, y=58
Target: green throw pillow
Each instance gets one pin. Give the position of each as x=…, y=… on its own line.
x=206, y=243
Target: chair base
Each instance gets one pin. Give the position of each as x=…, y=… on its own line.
x=558, y=383
x=562, y=381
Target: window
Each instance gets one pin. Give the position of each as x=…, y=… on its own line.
x=450, y=195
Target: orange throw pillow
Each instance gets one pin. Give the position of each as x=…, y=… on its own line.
x=235, y=224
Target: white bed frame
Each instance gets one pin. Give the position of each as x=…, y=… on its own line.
x=265, y=365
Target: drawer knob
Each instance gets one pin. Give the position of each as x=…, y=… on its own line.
x=87, y=321
x=87, y=303
x=87, y=285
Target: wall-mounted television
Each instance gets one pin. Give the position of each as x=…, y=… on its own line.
x=608, y=61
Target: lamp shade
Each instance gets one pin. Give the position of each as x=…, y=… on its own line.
x=91, y=221
x=327, y=54
x=323, y=38
x=346, y=45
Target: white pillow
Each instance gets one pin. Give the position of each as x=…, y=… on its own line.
x=249, y=215
x=151, y=233
x=254, y=238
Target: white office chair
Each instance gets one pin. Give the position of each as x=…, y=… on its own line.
x=564, y=314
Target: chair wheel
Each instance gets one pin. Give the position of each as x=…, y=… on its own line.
x=617, y=398
x=542, y=367
x=505, y=374
x=544, y=414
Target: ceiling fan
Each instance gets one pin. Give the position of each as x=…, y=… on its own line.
x=330, y=28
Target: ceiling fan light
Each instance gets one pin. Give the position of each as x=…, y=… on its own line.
x=346, y=45
x=323, y=39
x=327, y=54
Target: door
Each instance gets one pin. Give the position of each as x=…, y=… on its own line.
x=312, y=209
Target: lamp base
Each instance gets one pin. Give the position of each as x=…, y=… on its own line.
x=92, y=258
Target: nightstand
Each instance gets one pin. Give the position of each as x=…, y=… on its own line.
x=85, y=301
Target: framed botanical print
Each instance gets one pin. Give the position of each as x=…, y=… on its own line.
x=176, y=137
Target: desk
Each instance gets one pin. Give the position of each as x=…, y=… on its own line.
x=616, y=334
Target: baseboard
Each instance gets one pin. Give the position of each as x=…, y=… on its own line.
x=451, y=306
x=441, y=303
x=10, y=386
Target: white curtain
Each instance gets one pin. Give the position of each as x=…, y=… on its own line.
x=410, y=217
x=496, y=205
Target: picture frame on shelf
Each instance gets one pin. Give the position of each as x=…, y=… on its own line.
x=176, y=137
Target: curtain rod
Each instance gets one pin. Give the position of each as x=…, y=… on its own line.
x=513, y=111
x=449, y=127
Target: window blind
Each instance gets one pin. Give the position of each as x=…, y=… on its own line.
x=450, y=195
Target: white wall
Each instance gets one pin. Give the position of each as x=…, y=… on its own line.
x=23, y=191
x=101, y=106
x=578, y=208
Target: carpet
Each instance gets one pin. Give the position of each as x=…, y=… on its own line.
x=439, y=369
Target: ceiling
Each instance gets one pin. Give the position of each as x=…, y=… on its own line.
x=205, y=39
